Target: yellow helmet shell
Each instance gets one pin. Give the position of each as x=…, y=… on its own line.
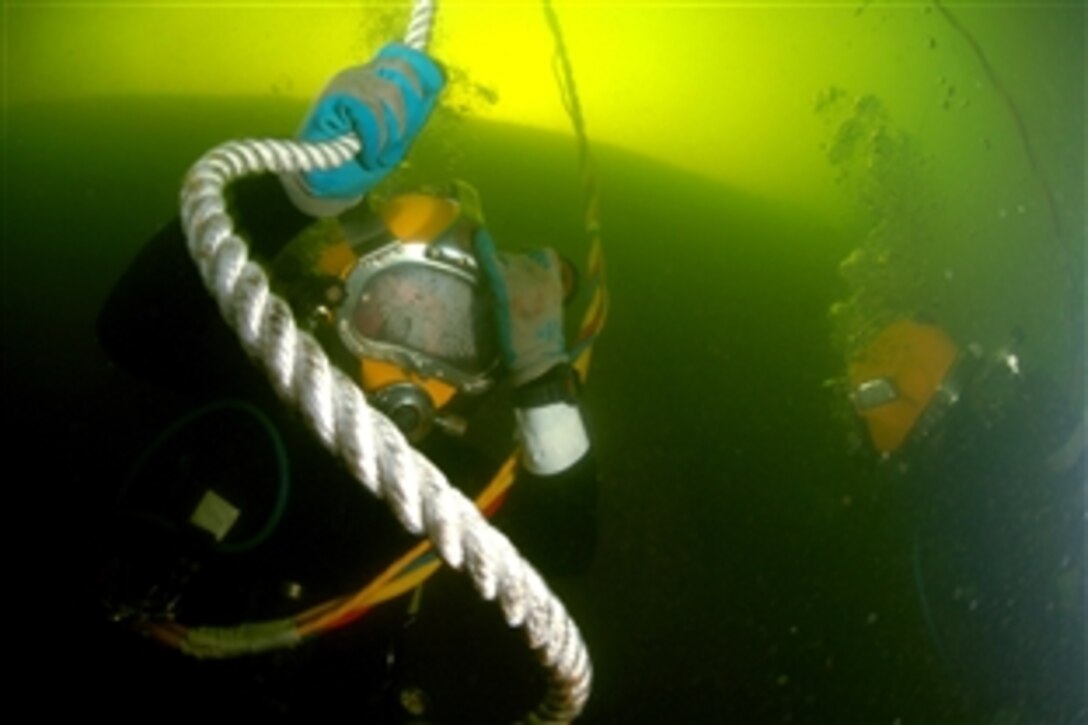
x=914, y=358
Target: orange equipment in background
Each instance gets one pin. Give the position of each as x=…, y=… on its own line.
x=894, y=380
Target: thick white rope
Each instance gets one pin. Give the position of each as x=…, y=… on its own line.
x=369, y=444
x=419, y=25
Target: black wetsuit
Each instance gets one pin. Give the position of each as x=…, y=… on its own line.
x=998, y=551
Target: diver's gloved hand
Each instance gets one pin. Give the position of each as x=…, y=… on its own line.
x=385, y=103
x=528, y=297
x=528, y=294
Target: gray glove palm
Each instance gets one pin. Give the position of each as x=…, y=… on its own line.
x=527, y=290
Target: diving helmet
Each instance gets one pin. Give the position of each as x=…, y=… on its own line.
x=414, y=311
x=904, y=382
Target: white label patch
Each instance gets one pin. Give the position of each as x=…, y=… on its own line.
x=215, y=515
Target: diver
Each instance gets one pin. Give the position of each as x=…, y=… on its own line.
x=460, y=344
x=989, y=485
x=428, y=307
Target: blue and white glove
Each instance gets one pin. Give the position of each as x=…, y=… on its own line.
x=385, y=103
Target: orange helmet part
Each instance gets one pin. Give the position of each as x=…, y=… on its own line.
x=337, y=260
x=915, y=358
x=376, y=374
x=418, y=217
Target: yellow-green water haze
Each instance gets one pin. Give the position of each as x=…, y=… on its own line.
x=778, y=181
x=724, y=89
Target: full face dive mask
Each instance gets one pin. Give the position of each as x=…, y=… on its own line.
x=415, y=313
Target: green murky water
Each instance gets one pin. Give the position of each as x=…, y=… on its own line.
x=757, y=562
